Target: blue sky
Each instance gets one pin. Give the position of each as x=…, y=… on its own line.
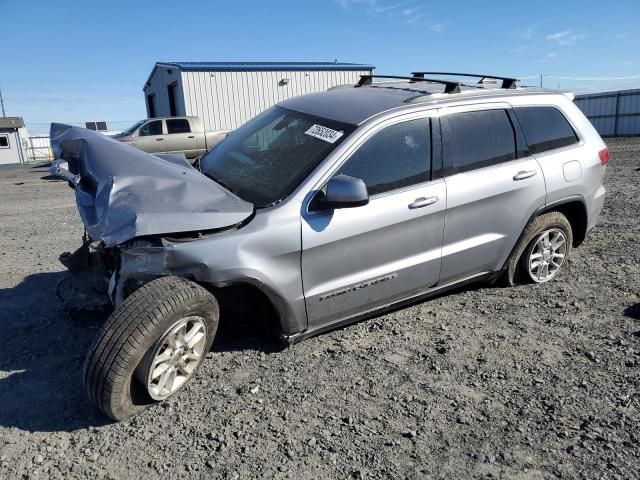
x=77, y=61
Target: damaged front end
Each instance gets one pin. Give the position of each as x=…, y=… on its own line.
x=127, y=198
x=100, y=278
x=90, y=285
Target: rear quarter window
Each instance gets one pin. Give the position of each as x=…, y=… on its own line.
x=545, y=128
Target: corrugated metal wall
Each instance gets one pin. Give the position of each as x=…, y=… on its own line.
x=613, y=114
x=225, y=100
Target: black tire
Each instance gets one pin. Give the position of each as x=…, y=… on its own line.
x=131, y=332
x=517, y=268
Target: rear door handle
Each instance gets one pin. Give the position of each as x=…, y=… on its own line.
x=191, y=136
x=524, y=174
x=423, y=202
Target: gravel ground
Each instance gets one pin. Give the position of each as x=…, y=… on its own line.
x=520, y=383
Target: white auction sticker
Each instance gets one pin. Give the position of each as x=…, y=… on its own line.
x=324, y=133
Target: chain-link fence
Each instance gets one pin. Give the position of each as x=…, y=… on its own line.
x=38, y=148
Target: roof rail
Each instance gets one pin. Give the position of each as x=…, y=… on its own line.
x=451, y=86
x=507, y=82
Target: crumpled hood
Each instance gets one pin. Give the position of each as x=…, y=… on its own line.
x=123, y=192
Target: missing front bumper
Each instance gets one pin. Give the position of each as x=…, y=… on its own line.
x=86, y=288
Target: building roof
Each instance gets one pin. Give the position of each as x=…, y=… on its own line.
x=260, y=66
x=11, y=122
x=356, y=105
x=265, y=66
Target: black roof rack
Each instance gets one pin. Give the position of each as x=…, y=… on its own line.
x=451, y=86
x=507, y=82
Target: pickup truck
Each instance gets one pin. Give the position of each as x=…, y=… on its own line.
x=171, y=135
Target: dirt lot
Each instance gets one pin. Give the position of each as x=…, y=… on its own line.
x=530, y=382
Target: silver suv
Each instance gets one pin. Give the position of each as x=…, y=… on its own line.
x=324, y=209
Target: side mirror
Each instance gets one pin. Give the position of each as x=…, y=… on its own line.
x=343, y=191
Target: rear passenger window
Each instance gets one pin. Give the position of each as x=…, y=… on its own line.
x=477, y=139
x=545, y=128
x=178, y=125
x=395, y=157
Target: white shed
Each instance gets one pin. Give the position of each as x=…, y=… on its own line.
x=11, y=148
x=225, y=95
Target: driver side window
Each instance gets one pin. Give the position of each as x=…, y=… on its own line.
x=151, y=128
x=397, y=156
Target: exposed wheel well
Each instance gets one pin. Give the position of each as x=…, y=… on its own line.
x=247, y=304
x=576, y=213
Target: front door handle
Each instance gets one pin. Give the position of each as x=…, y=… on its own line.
x=159, y=139
x=191, y=136
x=521, y=175
x=423, y=202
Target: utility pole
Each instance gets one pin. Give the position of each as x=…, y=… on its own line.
x=2, y=103
x=540, y=80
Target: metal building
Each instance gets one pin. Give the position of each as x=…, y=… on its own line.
x=11, y=148
x=225, y=95
x=613, y=114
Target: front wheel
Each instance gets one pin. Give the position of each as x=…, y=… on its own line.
x=151, y=346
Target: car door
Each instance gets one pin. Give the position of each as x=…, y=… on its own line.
x=569, y=168
x=180, y=137
x=493, y=188
x=151, y=137
x=356, y=259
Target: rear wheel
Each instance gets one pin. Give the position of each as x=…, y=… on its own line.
x=151, y=346
x=542, y=250
x=546, y=254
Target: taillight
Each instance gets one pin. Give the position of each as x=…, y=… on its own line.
x=604, y=156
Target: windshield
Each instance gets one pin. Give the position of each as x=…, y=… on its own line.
x=266, y=159
x=133, y=127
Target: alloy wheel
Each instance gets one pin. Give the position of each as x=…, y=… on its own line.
x=547, y=255
x=176, y=356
